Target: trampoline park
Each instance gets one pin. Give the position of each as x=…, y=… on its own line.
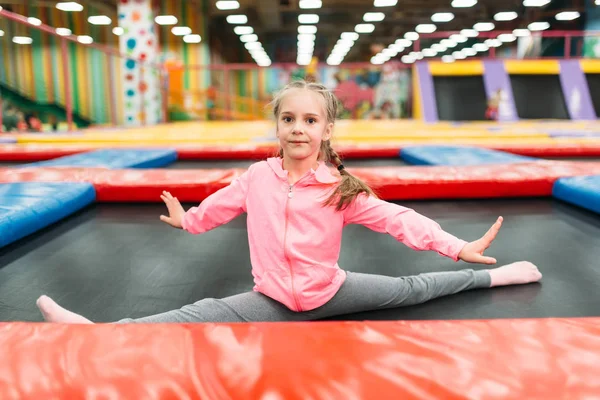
x=79, y=221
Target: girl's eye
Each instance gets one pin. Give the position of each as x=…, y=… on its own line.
x=312, y=120
x=287, y=119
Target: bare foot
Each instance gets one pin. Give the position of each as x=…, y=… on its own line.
x=517, y=273
x=52, y=312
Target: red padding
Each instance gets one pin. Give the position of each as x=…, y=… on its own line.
x=466, y=359
x=32, y=152
x=557, y=150
x=392, y=183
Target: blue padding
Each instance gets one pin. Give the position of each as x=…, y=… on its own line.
x=7, y=140
x=582, y=191
x=114, y=159
x=458, y=155
x=27, y=207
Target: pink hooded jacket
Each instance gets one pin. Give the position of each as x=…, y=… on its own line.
x=295, y=241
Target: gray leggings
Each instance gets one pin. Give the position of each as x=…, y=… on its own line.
x=359, y=293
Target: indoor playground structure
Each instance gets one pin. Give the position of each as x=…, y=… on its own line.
x=462, y=139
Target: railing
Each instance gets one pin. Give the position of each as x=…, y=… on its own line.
x=87, y=84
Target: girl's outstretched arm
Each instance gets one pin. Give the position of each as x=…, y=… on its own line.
x=219, y=208
x=415, y=230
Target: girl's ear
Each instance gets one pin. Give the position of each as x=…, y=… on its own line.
x=328, y=132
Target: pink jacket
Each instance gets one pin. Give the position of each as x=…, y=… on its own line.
x=295, y=241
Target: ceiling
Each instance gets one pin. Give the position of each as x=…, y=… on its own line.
x=276, y=22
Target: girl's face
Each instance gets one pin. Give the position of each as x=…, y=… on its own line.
x=302, y=124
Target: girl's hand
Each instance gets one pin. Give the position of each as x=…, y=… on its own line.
x=473, y=252
x=176, y=211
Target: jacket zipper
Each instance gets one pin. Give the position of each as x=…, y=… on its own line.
x=287, y=201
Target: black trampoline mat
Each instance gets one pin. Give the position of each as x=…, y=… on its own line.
x=112, y=261
x=593, y=81
x=460, y=98
x=538, y=96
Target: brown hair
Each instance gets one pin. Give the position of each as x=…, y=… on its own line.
x=350, y=186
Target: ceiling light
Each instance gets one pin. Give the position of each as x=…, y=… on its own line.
x=463, y=3
x=192, y=38
x=521, y=32
x=373, y=17
x=345, y=42
x=69, y=6
x=307, y=29
x=333, y=61
x=449, y=43
x=253, y=46
x=63, y=31
x=308, y=4
x=22, y=40
x=243, y=30
x=447, y=59
x=181, y=30
x=469, y=33
x=34, y=21
x=480, y=47
x=364, y=28
x=85, y=39
x=567, y=15
x=396, y=47
x=237, y=19
x=505, y=16
x=227, y=5
x=469, y=52
x=429, y=53
x=404, y=42
x=99, y=20
x=535, y=3
x=349, y=36
x=458, y=38
x=249, y=38
x=264, y=63
x=306, y=46
x=1, y=33
x=166, y=20
x=538, y=26
x=117, y=30
x=377, y=61
x=411, y=36
x=416, y=54
x=507, y=37
x=493, y=43
x=459, y=55
x=440, y=48
x=408, y=59
x=306, y=37
x=308, y=18
x=483, y=26
x=389, y=53
x=303, y=59
x=442, y=17
x=385, y=3
x=425, y=28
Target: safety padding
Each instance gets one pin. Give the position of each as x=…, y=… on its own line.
x=458, y=359
x=558, y=149
x=27, y=207
x=114, y=159
x=583, y=191
x=458, y=155
x=391, y=183
x=8, y=140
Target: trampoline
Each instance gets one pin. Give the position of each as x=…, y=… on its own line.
x=112, y=258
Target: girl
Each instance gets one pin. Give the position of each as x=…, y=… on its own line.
x=296, y=209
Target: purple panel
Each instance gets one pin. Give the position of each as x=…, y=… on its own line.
x=495, y=78
x=427, y=93
x=576, y=91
